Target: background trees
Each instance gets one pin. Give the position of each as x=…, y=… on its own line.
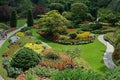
x=57, y=6
x=5, y=12
x=79, y=12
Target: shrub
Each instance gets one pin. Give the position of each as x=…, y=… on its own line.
x=25, y=58
x=30, y=76
x=95, y=26
x=20, y=34
x=38, y=48
x=11, y=71
x=76, y=74
x=73, y=35
x=26, y=39
x=85, y=27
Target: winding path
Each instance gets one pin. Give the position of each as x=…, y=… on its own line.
x=10, y=34
x=108, y=53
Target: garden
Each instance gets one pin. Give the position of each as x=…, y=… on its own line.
x=58, y=39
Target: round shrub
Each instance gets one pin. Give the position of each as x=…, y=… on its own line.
x=25, y=58
x=73, y=35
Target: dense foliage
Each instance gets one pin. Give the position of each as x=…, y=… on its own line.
x=25, y=58
x=30, y=18
x=13, y=19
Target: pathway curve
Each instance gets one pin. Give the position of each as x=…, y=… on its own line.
x=10, y=34
x=108, y=53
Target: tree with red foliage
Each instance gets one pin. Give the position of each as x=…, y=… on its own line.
x=38, y=10
x=5, y=12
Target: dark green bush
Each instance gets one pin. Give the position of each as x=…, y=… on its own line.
x=73, y=35
x=90, y=26
x=13, y=19
x=25, y=58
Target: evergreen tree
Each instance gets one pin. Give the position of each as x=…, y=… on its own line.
x=30, y=18
x=13, y=19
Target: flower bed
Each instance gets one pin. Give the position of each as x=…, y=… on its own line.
x=83, y=38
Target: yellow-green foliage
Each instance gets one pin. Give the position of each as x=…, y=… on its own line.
x=35, y=47
x=83, y=35
x=20, y=34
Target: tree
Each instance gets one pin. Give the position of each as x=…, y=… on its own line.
x=38, y=10
x=5, y=12
x=57, y=6
x=30, y=18
x=79, y=11
x=13, y=19
x=25, y=58
x=52, y=21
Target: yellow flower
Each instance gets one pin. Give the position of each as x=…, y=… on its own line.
x=35, y=47
x=20, y=34
x=83, y=35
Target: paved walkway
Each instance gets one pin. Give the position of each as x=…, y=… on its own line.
x=10, y=34
x=108, y=53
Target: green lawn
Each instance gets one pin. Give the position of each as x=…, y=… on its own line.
x=21, y=22
x=92, y=53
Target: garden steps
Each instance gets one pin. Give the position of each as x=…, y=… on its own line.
x=108, y=53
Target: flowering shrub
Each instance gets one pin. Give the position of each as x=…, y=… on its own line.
x=35, y=47
x=83, y=35
x=20, y=34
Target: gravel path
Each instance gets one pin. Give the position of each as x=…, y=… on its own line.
x=108, y=53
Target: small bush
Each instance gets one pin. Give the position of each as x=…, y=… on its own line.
x=25, y=58
x=73, y=35
x=20, y=34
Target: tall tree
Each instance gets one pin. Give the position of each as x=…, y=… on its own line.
x=30, y=18
x=79, y=11
x=13, y=19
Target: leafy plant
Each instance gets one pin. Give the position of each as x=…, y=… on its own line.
x=73, y=35
x=25, y=58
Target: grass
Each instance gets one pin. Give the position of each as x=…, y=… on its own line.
x=92, y=53
x=21, y=22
